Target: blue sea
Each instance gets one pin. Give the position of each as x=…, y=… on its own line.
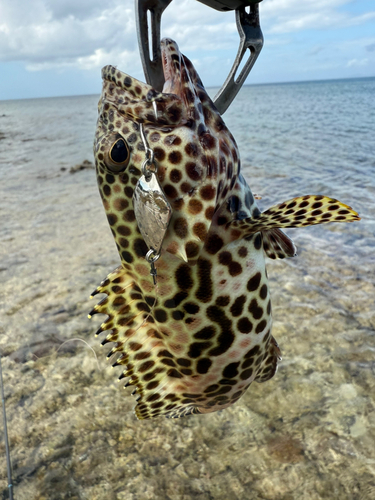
x=307, y=434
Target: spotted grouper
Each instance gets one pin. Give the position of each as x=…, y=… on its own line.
x=195, y=341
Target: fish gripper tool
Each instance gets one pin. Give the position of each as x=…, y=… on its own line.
x=251, y=38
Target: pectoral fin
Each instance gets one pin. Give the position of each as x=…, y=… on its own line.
x=277, y=244
x=268, y=367
x=298, y=212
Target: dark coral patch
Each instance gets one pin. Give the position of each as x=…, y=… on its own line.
x=127, y=256
x=164, y=353
x=254, y=282
x=255, y=310
x=214, y=244
x=226, y=337
x=192, y=249
x=168, y=362
x=129, y=191
x=192, y=149
x=183, y=277
x=222, y=220
x=208, y=192
x=234, y=203
x=263, y=291
x=179, y=297
x=191, y=307
x=199, y=229
x=154, y=137
x=205, y=289
x=109, y=178
x=180, y=227
x=196, y=348
x=159, y=154
x=129, y=216
x=186, y=187
x=237, y=306
x=209, y=213
x=261, y=326
x=235, y=268
x=184, y=362
x=112, y=219
x=123, y=242
x=174, y=113
x=175, y=157
x=231, y=370
x=178, y=315
x=120, y=204
x=207, y=141
x=206, y=333
x=246, y=374
x=225, y=258
x=170, y=191
x=222, y=301
x=204, y=365
x=244, y=325
x=160, y=315
x=252, y=352
x=193, y=171
x=242, y=252
x=258, y=241
x=140, y=247
x=195, y=206
x=175, y=175
x=146, y=366
x=174, y=373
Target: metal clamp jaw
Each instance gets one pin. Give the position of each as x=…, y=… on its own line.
x=248, y=26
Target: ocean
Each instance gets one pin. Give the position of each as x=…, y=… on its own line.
x=309, y=433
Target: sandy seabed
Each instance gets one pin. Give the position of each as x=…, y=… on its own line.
x=307, y=434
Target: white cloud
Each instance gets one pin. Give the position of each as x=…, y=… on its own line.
x=62, y=35
x=85, y=34
x=357, y=62
x=287, y=16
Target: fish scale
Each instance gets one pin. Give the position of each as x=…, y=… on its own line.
x=194, y=342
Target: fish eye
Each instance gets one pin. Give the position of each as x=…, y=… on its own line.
x=118, y=155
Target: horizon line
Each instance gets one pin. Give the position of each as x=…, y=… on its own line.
x=320, y=80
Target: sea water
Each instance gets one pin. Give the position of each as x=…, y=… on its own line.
x=309, y=433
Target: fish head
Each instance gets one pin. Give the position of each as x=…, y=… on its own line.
x=195, y=154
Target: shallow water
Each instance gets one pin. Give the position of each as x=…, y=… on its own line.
x=309, y=433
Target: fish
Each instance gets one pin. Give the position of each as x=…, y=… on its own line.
x=193, y=342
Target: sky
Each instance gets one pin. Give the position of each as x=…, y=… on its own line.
x=57, y=47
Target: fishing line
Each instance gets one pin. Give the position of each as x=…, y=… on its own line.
x=88, y=345
x=9, y=466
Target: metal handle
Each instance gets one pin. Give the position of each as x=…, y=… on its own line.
x=248, y=26
x=152, y=68
x=251, y=37
x=226, y=5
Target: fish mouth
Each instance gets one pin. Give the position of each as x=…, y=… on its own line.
x=181, y=78
x=173, y=62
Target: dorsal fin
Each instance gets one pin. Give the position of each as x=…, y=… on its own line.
x=142, y=345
